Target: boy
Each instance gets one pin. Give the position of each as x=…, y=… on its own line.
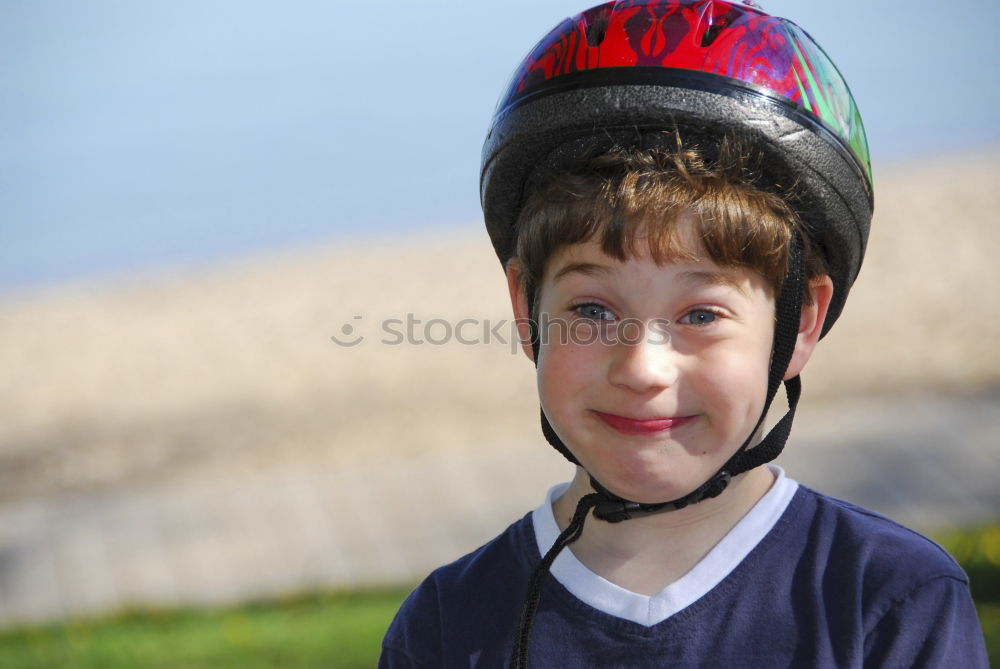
x=680, y=194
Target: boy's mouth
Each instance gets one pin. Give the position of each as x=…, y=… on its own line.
x=627, y=425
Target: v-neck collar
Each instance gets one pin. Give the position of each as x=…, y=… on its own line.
x=646, y=610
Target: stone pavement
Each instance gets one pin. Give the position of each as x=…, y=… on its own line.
x=927, y=461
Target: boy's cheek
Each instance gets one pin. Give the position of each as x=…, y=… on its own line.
x=557, y=378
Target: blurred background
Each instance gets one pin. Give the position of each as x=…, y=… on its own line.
x=196, y=197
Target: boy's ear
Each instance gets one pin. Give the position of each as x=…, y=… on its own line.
x=811, y=324
x=519, y=303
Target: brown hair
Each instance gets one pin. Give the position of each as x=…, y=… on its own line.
x=628, y=195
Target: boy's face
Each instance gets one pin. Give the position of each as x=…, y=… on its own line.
x=652, y=375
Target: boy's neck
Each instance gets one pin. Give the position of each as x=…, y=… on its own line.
x=645, y=555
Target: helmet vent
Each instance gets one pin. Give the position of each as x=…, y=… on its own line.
x=597, y=20
x=716, y=27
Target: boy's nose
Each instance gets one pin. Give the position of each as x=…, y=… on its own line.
x=642, y=365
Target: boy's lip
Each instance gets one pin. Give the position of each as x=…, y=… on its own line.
x=627, y=425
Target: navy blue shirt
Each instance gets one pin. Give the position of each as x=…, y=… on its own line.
x=831, y=585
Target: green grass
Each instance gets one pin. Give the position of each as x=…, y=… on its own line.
x=332, y=630
x=978, y=551
x=989, y=618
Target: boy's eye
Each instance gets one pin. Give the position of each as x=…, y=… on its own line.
x=699, y=317
x=594, y=312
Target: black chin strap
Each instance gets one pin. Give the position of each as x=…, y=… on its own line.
x=519, y=657
x=611, y=508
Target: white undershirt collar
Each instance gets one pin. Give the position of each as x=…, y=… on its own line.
x=605, y=596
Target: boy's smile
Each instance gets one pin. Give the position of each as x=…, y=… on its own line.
x=627, y=425
x=655, y=412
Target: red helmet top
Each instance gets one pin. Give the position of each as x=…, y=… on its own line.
x=739, y=42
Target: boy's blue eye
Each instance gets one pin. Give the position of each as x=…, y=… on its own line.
x=700, y=317
x=594, y=312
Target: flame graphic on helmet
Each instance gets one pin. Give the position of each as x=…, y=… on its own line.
x=767, y=54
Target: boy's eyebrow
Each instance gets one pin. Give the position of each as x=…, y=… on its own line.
x=587, y=268
x=693, y=276
x=712, y=278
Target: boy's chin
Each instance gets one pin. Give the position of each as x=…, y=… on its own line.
x=650, y=487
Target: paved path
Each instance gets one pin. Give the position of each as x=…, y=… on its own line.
x=926, y=461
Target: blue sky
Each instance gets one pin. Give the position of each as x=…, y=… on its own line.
x=166, y=133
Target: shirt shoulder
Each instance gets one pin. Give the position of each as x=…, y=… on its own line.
x=867, y=542
x=473, y=598
x=898, y=593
